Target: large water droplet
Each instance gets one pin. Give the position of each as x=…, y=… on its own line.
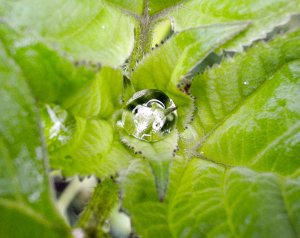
x=149, y=115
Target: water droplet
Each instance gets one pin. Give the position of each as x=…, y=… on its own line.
x=59, y=126
x=39, y=152
x=106, y=226
x=149, y=115
x=246, y=83
x=103, y=26
x=34, y=196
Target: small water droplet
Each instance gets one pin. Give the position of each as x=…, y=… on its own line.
x=149, y=115
x=34, y=196
x=246, y=83
x=106, y=226
x=39, y=152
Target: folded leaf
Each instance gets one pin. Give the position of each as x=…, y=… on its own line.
x=159, y=155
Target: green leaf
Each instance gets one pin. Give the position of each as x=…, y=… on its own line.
x=159, y=155
x=82, y=146
x=26, y=201
x=263, y=15
x=84, y=30
x=99, y=97
x=166, y=66
x=51, y=77
x=248, y=108
x=245, y=182
x=208, y=200
x=134, y=6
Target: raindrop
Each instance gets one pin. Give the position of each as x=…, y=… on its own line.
x=149, y=115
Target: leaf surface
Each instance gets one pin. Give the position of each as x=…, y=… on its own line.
x=168, y=65
x=26, y=199
x=245, y=179
x=263, y=15
x=83, y=146
x=234, y=202
x=89, y=30
x=249, y=107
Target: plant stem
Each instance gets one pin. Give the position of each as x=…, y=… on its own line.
x=143, y=37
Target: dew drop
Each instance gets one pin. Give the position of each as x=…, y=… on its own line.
x=149, y=115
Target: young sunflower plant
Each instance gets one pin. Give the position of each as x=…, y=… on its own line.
x=187, y=113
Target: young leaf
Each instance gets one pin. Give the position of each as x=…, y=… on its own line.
x=100, y=97
x=263, y=15
x=83, y=146
x=159, y=154
x=85, y=30
x=26, y=200
x=249, y=114
x=233, y=202
x=252, y=119
x=267, y=137
x=167, y=66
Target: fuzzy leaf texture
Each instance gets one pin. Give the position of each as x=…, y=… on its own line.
x=243, y=180
x=26, y=202
x=89, y=30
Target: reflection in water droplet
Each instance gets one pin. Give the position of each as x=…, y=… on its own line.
x=149, y=115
